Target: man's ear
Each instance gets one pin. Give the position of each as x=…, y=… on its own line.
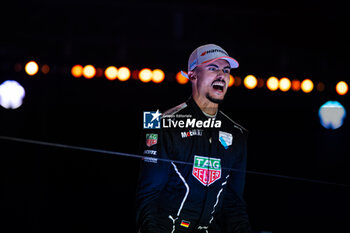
x=191, y=75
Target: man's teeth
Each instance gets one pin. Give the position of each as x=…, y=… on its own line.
x=219, y=84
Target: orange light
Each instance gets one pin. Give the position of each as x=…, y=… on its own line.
x=77, y=71
x=250, y=82
x=342, y=88
x=284, y=84
x=232, y=81
x=99, y=72
x=89, y=71
x=296, y=85
x=272, y=83
x=181, y=79
x=145, y=75
x=307, y=85
x=31, y=68
x=111, y=73
x=238, y=81
x=260, y=82
x=123, y=73
x=45, y=69
x=320, y=87
x=158, y=76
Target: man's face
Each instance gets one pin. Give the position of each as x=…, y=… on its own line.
x=212, y=80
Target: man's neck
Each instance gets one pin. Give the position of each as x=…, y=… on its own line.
x=206, y=105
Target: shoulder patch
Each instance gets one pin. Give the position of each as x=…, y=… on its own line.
x=175, y=109
x=236, y=125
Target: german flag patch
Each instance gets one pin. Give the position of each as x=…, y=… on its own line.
x=185, y=223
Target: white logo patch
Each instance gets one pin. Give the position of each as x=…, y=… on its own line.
x=225, y=139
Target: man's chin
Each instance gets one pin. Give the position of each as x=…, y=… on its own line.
x=215, y=100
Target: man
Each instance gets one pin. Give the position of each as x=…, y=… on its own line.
x=203, y=192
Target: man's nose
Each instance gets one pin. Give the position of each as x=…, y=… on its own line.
x=221, y=73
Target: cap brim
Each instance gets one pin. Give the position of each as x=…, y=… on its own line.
x=233, y=63
x=184, y=74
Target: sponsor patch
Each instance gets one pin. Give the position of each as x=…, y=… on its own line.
x=206, y=170
x=225, y=139
x=193, y=132
x=151, y=139
x=185, y=223
x=150, y=159
x=150, y=152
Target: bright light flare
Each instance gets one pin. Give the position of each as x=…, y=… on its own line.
x=158, y=76
x=307, y=85
x=89, y=71
x=332, y=115
x=250, y=82
x=111, y=73
x=284, y=84
x=77, y=71
x=232, y=81
x=145, y=75
x=342, y=88
x=272, y=83
x=123, y=73
x=31, y=68
x=181, y=79
x=11, y=94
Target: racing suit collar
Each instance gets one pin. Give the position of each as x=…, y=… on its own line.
x=199, y=113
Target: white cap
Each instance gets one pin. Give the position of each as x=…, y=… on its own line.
x=207, y=54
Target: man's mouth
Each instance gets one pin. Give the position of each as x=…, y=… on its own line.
x=218, y=85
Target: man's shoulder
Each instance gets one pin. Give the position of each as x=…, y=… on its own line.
x=175, y=110
x=233, y=124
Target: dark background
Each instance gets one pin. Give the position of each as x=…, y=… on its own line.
x=46, y=189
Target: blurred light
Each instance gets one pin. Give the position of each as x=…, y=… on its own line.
x=77, y=71
x=232, y=81
x=320, y=87
x=238, y=81
x=89, y=71
x=31, y=68
x=123, y=73
x=145, y=75
x=332, y=115
x=135, y=74
x=260, y=82
x=342, y=88
x=296, y=85
x=284, y=84
x=111, y=73
x=99, y=72
x=45, y=69
x=307, y=85
x=158, y=76
x=18, y=67
x=181, y=79
x=250, y=82
x=11, y=94
x=272, y=83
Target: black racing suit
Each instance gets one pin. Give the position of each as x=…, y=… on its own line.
x=204, y=195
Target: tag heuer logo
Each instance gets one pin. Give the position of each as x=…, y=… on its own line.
x=151, y=139
x=206, y=170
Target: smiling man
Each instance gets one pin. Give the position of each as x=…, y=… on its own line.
x=204, y=191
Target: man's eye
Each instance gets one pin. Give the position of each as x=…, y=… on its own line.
x=212, y=68
x=226, y=71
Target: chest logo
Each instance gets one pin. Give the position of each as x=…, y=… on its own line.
x=206, y=170
x=151, y=139
x=225, y=139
